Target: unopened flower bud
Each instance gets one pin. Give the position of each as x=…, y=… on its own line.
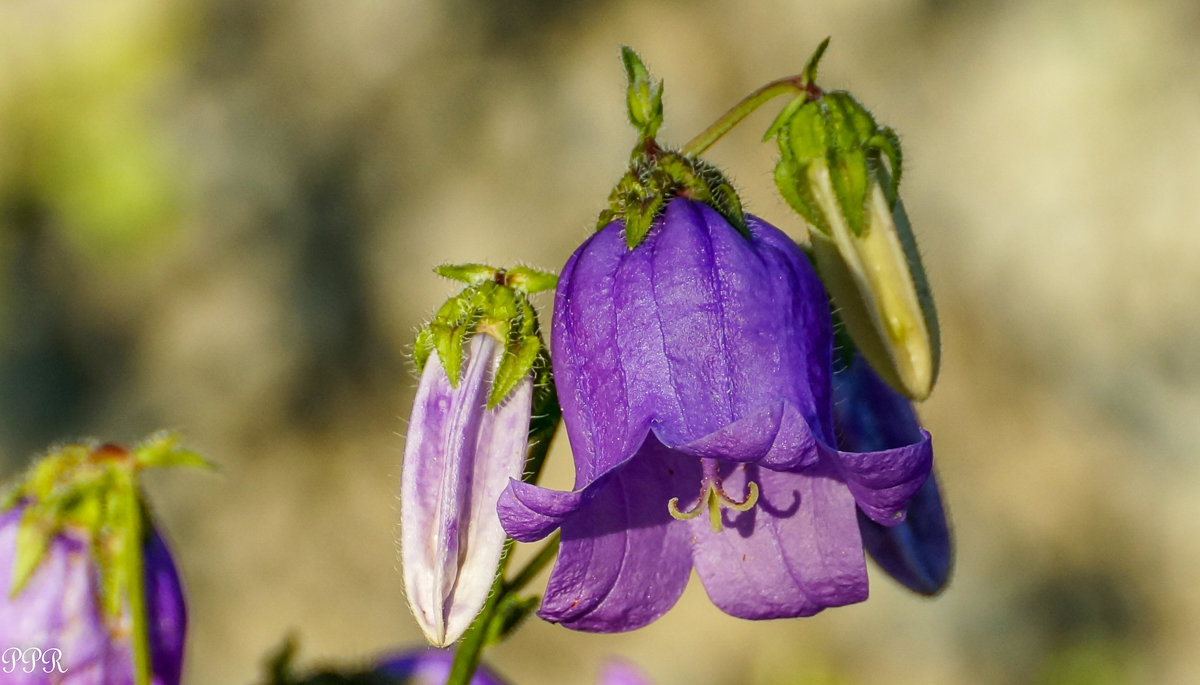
x=467, y=437
x=840, y=171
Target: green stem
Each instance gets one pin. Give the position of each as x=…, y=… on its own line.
x=470, y=648
x=137, y=590
x=535, y=565
x=791, y=84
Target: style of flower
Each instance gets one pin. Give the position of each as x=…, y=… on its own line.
x=869, y=415
x=694, y=375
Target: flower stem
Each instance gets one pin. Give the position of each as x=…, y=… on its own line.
x=534, y=566
x=135, y=563
x=470, y=649
x=466, y=657
x=791, y=84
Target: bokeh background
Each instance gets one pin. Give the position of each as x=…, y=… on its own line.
x=220, y=217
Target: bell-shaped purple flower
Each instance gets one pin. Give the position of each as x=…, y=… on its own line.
x=54, y=629
x=458, y=457
x=869, y=416
x=694, y=372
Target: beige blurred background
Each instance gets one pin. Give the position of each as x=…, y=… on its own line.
x=220, y=217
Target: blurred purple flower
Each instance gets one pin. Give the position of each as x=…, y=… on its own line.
x=695, y=368
x=869, y=415
x=618, y=672
x=59, y=608
x=458, y=457
x=429, y=667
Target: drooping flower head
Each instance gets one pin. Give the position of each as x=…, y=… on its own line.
x=90, y=593
x=467, y=436
x=692, y=354
x=694, y=372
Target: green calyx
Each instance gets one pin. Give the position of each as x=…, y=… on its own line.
x=656, y=174
x=831, y=133
x=496, y=303
x=92, y=491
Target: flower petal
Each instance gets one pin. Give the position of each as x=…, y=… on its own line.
x=623, y=560
x=606, y=418
x=166, y=609
x=795, y=553
x=428, y=667
x=618, y=672
x=883, y=481
x=918, y=553
x=870, y=416
x=529, y=513
x=778, y=437
x=888, y=454
x=458, y=458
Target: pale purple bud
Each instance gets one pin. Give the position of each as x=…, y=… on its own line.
x=458, y=457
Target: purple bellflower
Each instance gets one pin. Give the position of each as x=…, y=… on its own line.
x=73, y=606
x=870, y=416
x=694, y=373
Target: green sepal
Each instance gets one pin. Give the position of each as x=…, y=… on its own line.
x=497, y=305
x=798, y=195
x=521, y=351
x=886, y=144
x=530, y=281
x=448, y=340
x=639, y=218
x=33, y=539
x=655, y=175
x=472, y=274
x=643, y=97
x=111, y=543
x=423, y=347
x=164, y=450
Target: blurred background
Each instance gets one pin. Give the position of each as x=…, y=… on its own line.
x=220, y=217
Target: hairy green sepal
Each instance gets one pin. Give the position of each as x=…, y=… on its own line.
x=656, y=174
x=496, y=303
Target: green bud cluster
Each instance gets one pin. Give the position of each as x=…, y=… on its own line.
x=496, y=303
